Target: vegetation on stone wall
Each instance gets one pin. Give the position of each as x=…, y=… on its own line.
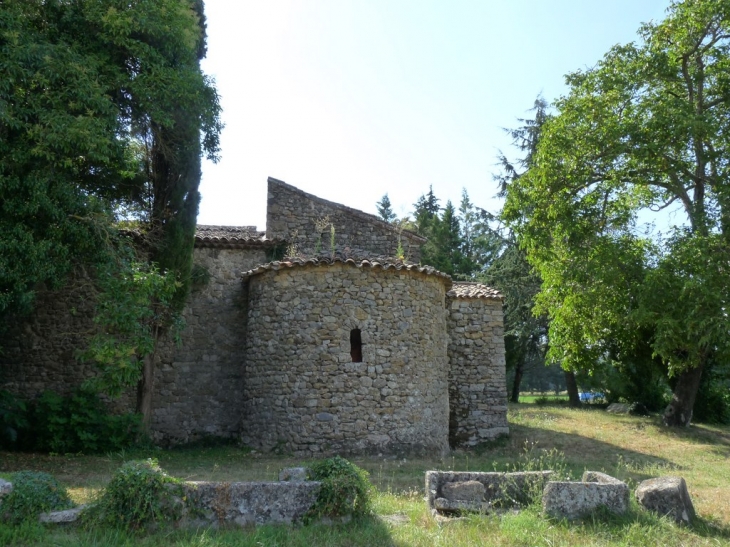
x=34, y=492
x=346, y=489
x=120, y=138
x=75, y=423
x=139, y=493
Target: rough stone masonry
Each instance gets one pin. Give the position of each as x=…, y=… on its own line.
x=353, y=351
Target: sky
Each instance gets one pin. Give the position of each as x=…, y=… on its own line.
x=353, y=99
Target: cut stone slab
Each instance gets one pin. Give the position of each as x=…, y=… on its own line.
x=293, y=474
x=469, y=491
x=443, y=505
x=667, y=496
x=5, y=488
x=246, y=503
x=454, y=491
x=619, y=408
x=62, y=517
x=574, y=500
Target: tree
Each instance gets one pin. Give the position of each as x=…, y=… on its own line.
x=526, y=334
x=443, y=248
x=104, y=109
x=644, y=129
x=481, y=244
x=385, y=209
x=61, y=159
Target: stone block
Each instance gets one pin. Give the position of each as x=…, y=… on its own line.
x=472, y=491
x=5, y=488
x=454, y=491
x=618, y=408
x=246, y=503
x=62, y=517
x=293, y=474
x=574, y=500
x=667, y=496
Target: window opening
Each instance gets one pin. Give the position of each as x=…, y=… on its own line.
x=356, y=346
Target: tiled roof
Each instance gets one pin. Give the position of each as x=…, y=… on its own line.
x=299, y=263
x=231, y=237
x=468, y=289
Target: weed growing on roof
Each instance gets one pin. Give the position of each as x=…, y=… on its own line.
x=33, y=493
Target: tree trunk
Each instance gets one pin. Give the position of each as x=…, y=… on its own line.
x=572, y=386
x=519, y=371
x=145, y=389
x=679, y=410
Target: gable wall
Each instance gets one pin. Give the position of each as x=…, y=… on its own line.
x=291, y=215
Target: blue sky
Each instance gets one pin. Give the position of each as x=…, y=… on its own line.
x=351, y=99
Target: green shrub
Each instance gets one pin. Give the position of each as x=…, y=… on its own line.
x=13, y=419
x=345, y=489
x=139, y=493
x=532, y=458
x=80, y=423
x=33, y=493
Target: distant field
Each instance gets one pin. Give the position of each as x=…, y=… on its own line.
x=533, y=397
x=628, y=447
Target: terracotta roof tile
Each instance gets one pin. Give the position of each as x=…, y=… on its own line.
x=468, y=289
x=299, y=263
x=231, y=237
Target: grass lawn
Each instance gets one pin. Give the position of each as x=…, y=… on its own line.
x=630, y=448
x=530, y=397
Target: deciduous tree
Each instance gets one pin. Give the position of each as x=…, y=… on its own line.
x=645, y=129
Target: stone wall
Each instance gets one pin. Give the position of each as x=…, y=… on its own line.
x=199, y=382
x=39, y=351
x=303, y=391
x=291, y=215
x=477, y=383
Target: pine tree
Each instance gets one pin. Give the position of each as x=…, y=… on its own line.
x=385, y=210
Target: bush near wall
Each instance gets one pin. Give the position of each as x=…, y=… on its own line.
x=65, y=424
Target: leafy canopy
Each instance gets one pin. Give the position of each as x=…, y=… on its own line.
x=643, y=130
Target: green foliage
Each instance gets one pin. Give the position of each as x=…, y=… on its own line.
x=713, y=398
x=633, y=377
x=385, y=209
x=33, y=493
x=346, y=489
x=644, y=129
x=526, y=332
x=140, y=493
x=78, y=423
x=532, y=459
x=13, y=419
x=134, y=303
x=120, y=135
x=199, y=277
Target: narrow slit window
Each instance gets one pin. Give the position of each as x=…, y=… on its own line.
x=356, y=346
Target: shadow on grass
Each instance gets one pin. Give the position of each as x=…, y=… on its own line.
x=362, y=532
x=583, y=453
x=718, y=437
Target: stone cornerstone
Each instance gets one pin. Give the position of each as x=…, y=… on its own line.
x=351, y=351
